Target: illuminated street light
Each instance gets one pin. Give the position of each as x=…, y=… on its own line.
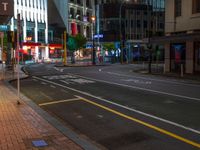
x=93, y=51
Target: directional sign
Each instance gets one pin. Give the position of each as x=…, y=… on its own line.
x=6, y=7
x=98, y=36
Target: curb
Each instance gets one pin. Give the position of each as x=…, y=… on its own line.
x=83, y=143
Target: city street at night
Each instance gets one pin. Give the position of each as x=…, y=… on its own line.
x=99, y=74
x=116, y=108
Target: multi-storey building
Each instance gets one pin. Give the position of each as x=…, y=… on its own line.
x=74, y=15
x=34, y=27
x=44, y=21
x=139, y=21
x=80, y=13
x=182, y=40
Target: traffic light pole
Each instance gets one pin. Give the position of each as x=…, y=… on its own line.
x=65, y=48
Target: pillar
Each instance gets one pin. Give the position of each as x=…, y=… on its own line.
x=189, y=57
x=167, y=57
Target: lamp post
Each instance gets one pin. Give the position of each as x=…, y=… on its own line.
x=149, y=46
x=93, y=47
x=120, y=26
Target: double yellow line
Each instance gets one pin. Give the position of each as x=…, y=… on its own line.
x=143, y=123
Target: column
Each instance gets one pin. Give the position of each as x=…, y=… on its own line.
x=189, y=57
x=36, y=40
x=167, y=57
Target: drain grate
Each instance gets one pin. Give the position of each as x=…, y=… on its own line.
x=39, y=143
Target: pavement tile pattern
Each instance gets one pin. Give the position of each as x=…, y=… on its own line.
x=20, y=125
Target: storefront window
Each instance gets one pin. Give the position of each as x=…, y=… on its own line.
x=55, y=53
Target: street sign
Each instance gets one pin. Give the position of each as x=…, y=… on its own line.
x=98, y=36
x=6, y=7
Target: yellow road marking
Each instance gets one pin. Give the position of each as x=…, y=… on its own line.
x=60, y=101
x=143, y=123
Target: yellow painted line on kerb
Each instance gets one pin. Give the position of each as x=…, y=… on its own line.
x=144, y=123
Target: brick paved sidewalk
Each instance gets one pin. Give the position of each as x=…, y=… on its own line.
x=20, y=125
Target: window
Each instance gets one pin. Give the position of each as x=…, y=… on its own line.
x=178, y=6
x=195, y=6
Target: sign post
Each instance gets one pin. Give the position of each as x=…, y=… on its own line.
x=1, y=36
x=18, y=48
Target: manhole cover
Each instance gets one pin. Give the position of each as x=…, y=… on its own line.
x=39, y=143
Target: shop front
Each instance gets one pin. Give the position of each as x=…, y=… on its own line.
x=177, y=56
x=55, y=52
x=197, y=56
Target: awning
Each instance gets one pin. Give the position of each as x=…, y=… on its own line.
x=32, y=44
x=176, y=38
x=56, y=45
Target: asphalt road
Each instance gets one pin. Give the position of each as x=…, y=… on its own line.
x=117, y=108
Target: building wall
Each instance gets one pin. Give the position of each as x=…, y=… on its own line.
x=34, y=20
x=80, y=13
x=187, y=22
x=185, y=28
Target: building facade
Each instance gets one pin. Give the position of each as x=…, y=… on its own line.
x=140, y=20
x=182, y=40
x=34, y=27
x=79, y=17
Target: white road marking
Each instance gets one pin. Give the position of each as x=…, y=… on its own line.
x=136, y=81
x=60, y=101
x=143, y=89
x=59, y=69
x=159, y=80
x=52, y=86
x=35, y=80
x=59, y=77
x=43, y=83
x=127, y=108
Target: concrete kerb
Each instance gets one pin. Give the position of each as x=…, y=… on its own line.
x=82, y=142
x=79, y=65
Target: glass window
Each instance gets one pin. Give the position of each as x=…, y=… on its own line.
x=195, y=6
x=178, y=7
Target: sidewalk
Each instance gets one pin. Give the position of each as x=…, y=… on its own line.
x=158, y=70
x=23, y=129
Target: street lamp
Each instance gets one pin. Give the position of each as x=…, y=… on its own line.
x=120, y=25
x=93, y=51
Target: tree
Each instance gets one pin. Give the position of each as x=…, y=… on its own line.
x=80, y=41
x=76, y=42
x=109, y=46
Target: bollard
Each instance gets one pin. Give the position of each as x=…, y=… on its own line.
x=164, y=69
x=181, y=70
